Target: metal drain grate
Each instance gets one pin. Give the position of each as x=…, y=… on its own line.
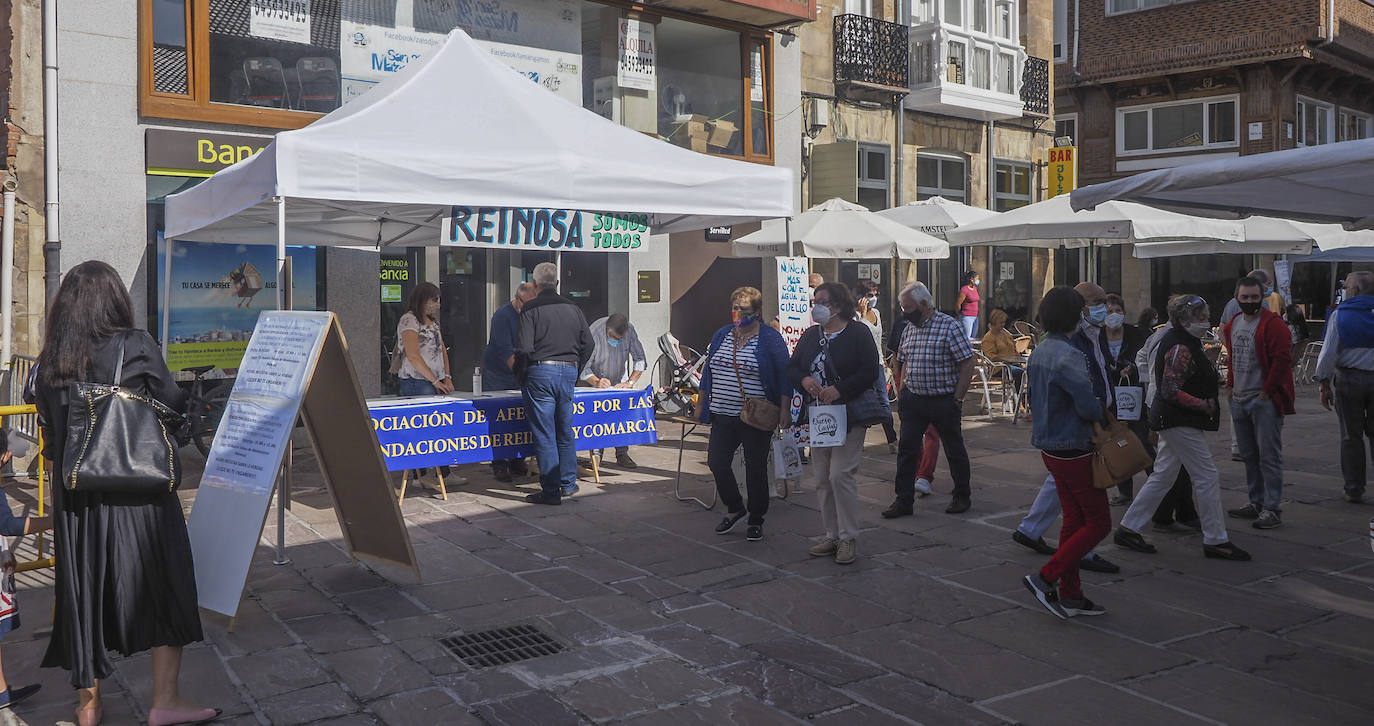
x=501, y=646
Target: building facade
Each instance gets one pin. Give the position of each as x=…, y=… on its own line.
x=155, y=96
x=954, y=102
x=1150, y=84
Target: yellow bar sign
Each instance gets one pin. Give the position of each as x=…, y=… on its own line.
x=1063, y=172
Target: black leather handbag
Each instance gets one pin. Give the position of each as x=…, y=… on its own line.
x=119, y=442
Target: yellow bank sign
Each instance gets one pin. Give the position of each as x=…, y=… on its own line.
x=1063, y=171
x=169, y=152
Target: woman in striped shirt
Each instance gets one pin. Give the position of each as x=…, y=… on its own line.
x=745, y=360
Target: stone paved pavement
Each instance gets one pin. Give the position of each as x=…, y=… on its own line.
x=664, y=622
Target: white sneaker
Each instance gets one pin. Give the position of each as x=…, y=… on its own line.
x=923, y=487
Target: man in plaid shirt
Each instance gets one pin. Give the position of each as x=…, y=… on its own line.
x=935, y=365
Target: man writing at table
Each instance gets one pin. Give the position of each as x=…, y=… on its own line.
x=553, y=345
x=617, y=361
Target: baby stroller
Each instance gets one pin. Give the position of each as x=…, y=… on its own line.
x=677, y=377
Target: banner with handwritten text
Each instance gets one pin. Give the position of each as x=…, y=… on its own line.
x=794, y=299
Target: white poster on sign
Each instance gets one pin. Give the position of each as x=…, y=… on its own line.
x=637, y=57
x=1283, y=276
x=756, y=75
x=794, y=299
x=369, y=54
x=287, y=20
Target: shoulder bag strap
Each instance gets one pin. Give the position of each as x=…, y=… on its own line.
x=734, y=359
x=119, y=361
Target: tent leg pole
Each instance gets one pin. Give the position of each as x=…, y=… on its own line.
x=787, y=234
x=283, y=476
x=168, y=245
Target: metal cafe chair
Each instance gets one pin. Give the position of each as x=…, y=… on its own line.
x=265, y=82
x=317, y=84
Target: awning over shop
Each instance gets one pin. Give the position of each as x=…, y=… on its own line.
x=1327, y=183
x=459, y=127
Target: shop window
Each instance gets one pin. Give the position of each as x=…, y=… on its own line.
x=1067, y=127
x=873, y=176
x=939, y=175
x=1012, y=186
x=1353, y=126
x=1314, y=122
x=704, y=75
x=1185, y=126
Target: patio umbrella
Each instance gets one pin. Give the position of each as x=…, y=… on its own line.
x=1327, y=183
x=936, y=215
x=837, y=229
x=1052, y=223
x=1266, y=236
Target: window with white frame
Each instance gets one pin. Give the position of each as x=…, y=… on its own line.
x=1006, y=12
x=1176, y=127
x=1353, y=126
x=1005, y=75
x=941, y=175
x=1115, y=7
x=954, y=12
x=1067, y=125
x=921, y=63
x=859, y=7
x=873, y=176
x=980, y=16
x=1012, y=186
x=957, y=62
x=1061, y=29
x=1315, y=121
x=979, y=70
x=922, y=12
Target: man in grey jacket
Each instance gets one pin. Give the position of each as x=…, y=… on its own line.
x=617, y=361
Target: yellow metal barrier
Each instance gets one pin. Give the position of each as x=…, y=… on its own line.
x=42, y=561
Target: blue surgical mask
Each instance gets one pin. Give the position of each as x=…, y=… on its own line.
x=613, y=342
x=1097, y=314
x=820, y=314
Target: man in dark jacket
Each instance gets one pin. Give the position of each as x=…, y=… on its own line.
x=1260, y=377
x=497, y=374
x=552, y=347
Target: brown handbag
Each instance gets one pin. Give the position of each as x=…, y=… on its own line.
x=759, y=413
x=1118, y=454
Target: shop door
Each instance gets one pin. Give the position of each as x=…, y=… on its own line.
x=582, y=278
x=463, y=313
x=1010, y=279
x=398, y=272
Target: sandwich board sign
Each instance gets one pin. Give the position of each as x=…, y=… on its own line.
x=296, y=364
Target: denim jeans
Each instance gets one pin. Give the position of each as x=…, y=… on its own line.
x=728, y=433
x=918, y=413
x=548, y=397
x=970, y=325
x=1355, y=410
x=416, y=387
x=1259, y=432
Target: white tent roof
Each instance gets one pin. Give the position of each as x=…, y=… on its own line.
x=936, y=215
x=1052, y=223
x=460, y=127
x=1328, y=183
x=836, y=229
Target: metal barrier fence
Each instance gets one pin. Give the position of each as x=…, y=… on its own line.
x=23, y=424
x=10, y=415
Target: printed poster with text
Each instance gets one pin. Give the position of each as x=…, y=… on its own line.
x=218, y=290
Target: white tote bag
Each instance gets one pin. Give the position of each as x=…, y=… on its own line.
x=828, y=424
x=1129, y=402
x=786, y=459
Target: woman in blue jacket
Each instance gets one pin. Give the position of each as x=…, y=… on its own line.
x=745, y=360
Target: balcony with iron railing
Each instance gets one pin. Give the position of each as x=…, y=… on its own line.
x=1035, y=86
x=870, y=59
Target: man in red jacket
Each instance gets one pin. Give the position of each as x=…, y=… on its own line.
x=1260, y=377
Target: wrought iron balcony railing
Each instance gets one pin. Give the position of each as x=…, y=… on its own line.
x=1035, y=86
x=870, y=56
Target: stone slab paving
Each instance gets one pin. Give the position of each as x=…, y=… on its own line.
x=662, y=621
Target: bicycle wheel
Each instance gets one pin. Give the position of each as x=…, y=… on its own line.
x=205, y=417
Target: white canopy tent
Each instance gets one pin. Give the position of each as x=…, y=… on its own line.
x=835, y=229
x=460, y=127
x=1052, y=223
x=1331, y=183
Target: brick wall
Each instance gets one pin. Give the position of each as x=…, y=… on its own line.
x=1191, y=34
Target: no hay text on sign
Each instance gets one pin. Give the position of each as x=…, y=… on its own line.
x=1063, y=170
x=551, y=229
x=794, y=298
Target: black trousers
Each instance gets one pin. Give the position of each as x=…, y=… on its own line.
x=918, y=413
x=728, y=433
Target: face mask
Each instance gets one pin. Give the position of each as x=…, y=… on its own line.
x=613, y=342
x=820, y=314
x=914, y=316
x=1096, y=315
x=976, y=283
x=1199, y=329
x=740, y=318
x=873, y=301
x=1249, y=308
x=1115, y=320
